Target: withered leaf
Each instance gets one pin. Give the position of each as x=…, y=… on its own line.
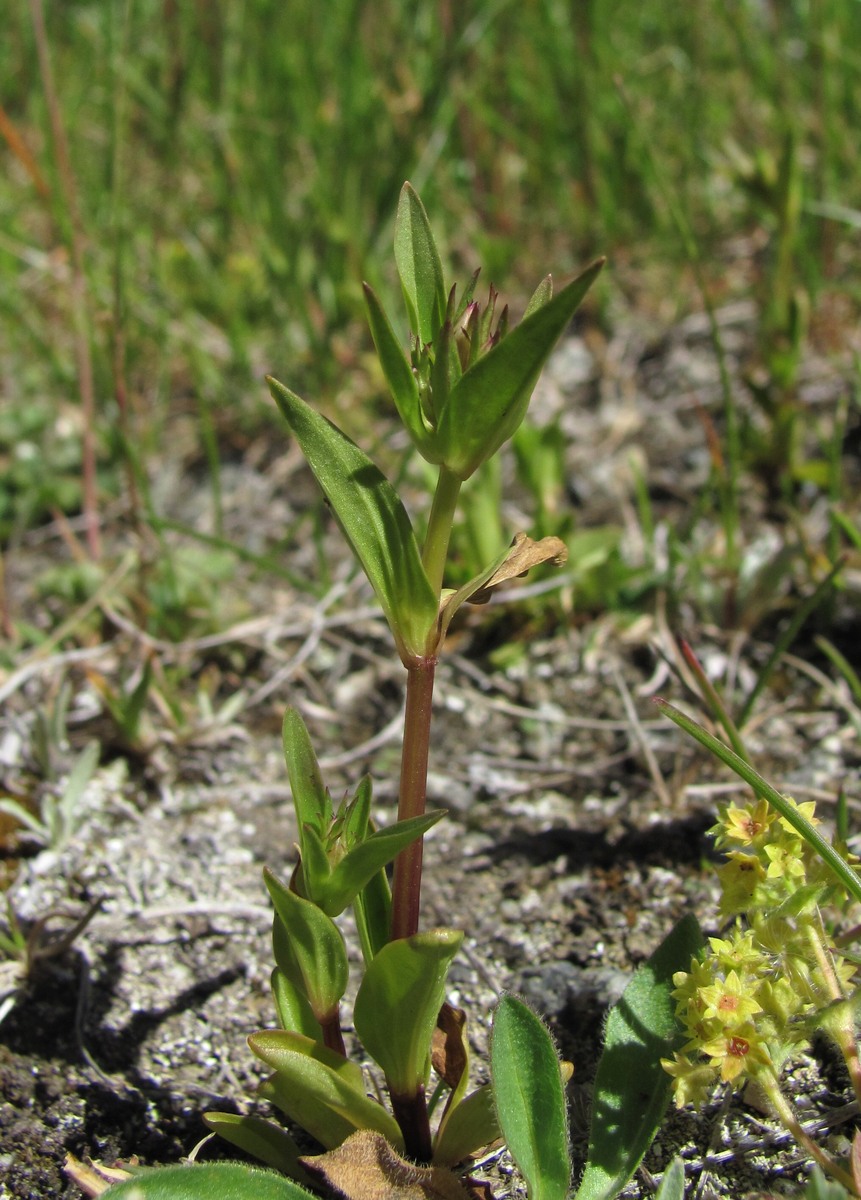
x=523, y=555
x=92, y=1177
x=448, y=1054
x=365, y=1167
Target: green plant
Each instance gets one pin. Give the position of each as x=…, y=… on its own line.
x=776, y=976
x=57, y=818
x=461, y=393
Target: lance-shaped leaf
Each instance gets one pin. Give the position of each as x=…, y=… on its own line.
x=208, y=1181
x=373, y=519
x=490, y=400
x=419, y=267
x=359, y=865
x=311, y=798
x=320, y=1090
x=631, y=1087
x=372, y=909
x=291, y=1004
x=400, y=378
x=469, y=1126
x=398, y=1001
x=530, y=1101
x=264, y=1139
x=317, y=959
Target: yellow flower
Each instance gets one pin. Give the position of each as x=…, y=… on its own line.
x=693, y=1083
x=729, y=1001
x=736, y=1053
x=739, y=878
x=746, y=825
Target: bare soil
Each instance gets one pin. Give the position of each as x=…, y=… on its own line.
x=578, y=817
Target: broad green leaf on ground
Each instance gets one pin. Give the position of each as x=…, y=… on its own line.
x=208, y=1181
x=632, y=1089
x=530, y=1100
x=373, y=519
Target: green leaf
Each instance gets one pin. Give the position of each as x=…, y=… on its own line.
x=541, y=296
x=359, y=865
x=784, y=807
x=373, y=912
x=398, y=1001
x=490, y=400
x=317, y=963
x=631, y=1087
x=208, y=1181
x=319, y=1089
x=673, y=1184
x=267, y=1141
x=400, y=378
x=467, y=1127
x=373, y=519
x=530, y=1100
x=419, y=267
x=311, y=798
x=291, y=1005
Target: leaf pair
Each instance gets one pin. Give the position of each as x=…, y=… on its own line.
x=470, y=413
x=339, y=855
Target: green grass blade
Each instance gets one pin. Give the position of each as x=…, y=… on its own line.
x=530, y=1101
x=788, y=811
x=632, y=1089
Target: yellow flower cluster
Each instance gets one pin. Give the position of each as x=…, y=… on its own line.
x=742, y=1005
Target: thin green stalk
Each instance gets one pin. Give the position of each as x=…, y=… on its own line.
x=407, y=880
x=763, y=788
x=435, y=550
x=786, y=1113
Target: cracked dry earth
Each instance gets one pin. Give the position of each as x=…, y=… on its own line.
x=577, y=823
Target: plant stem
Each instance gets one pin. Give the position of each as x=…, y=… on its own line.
x=411, y=1114
x=444, y=504
x=332, y=1035
x=786, y=1113
x=407, y=882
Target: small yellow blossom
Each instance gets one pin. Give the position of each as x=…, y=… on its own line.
x=806, y=810
x=736, y=1053
x=729, y=1001
x=746, y=825
x=693, y=1083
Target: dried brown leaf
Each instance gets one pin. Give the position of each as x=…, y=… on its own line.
x=525, y=553
x=92, y=1178
x=448, y=1053
x=365, y=1167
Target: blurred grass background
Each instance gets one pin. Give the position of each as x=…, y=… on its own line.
x=193, y=190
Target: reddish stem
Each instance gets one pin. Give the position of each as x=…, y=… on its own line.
x=407, y=882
